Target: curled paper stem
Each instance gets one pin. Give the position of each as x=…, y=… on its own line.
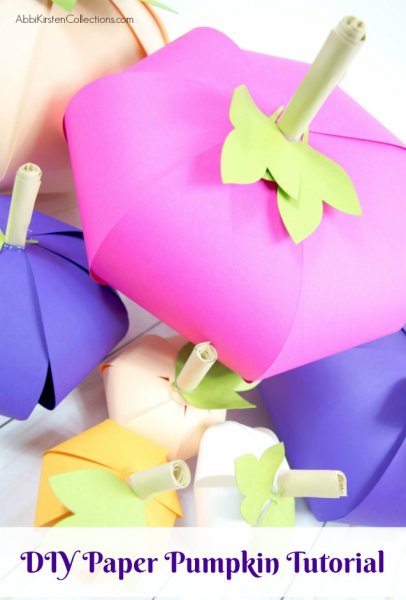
x=329, y=66
x=312, y=484
x=198, y=364
x=169, y=476
x=26, y=186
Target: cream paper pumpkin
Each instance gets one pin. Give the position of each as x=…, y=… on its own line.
x=140, y=396
x=45, y=63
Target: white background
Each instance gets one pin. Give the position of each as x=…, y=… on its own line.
x=297, y=28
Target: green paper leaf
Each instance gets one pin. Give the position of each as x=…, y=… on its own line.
x=98, y=499
x=323, y=180
x=301, y=217
x=280, y=512
x=255, y=478
x=66, y=4
x=254, y=145
x=3, y=240
x=256, y=149
x=70, y=4
x=267, y=176
x=160, y=5
x=218, y=390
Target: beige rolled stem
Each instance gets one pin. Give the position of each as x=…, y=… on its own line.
x=198, y=364
x=169, y=476
x=26, y=186
x=329, y=66
x=312, y=484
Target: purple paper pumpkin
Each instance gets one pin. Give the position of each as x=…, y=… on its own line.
x=348, y=412
x=56, y=323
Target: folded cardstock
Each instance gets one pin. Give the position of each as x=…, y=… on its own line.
x=217, y=496
x=56, y=323
x=214, y=260
x=49, y=62
x=110, y=449
x=349, y=410
x=142, y=395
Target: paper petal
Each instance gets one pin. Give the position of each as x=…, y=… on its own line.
x=81, y=320
x=97, y=499
x=24, y=360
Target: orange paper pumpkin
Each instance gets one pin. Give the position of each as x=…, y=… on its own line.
x=48, y=62
x=114, y=449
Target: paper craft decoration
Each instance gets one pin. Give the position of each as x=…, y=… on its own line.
x=257, y=149
x=49, y=62
x=143, y=396
x=88, y=473
x=56, y=323
x=349, y=410
x=262, y=506
x=225, y=269
x=242, y=478
x=98, y=498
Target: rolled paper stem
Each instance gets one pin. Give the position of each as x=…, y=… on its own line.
x=26, y=186
x=329, y=66
x=312, y=484
x=169, y=476
x=198, y=364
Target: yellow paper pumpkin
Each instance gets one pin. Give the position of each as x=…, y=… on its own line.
x=113, y=449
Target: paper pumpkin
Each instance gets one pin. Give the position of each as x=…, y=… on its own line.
x=56, y=323
x=350, y=410
x=114, y=451
x=218, y=500
x=225, y=269
x=141, y=395
x=49, y=62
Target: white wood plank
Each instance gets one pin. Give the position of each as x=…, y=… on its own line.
x=141, y=321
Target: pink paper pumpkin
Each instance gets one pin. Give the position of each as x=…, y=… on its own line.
x=140, y=396
x=212, y=260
